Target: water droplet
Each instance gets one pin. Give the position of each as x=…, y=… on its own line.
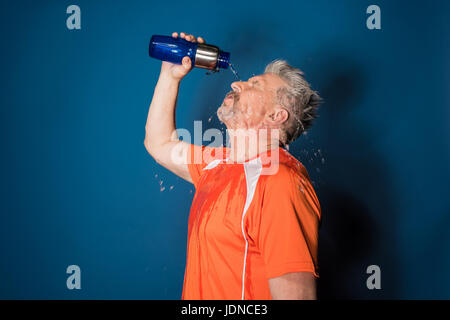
x=209, y=119
x=323, y=160
x=234, y=71
x=171, y=187
x=156, y=175
x=162, y=189
x=160, y=182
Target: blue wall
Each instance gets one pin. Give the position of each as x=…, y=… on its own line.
x=78, y=186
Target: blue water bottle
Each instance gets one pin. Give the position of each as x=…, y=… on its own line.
x=202, y=55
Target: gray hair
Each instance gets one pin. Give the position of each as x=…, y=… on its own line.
x=298, y=98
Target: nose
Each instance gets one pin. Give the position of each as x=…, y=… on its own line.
x=237, y=86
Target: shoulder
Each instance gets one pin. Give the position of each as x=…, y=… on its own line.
x=206, y=154
x=291, y=177
x=281, y=165
x=290, y=187
x=284, y=176
x=285, y=169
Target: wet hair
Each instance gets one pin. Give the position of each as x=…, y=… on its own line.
x=297, y=97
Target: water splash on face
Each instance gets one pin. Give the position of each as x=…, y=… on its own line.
x=225, y=112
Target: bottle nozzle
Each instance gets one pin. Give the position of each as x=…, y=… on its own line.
x=223, y=61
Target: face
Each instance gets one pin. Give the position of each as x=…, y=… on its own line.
x=251, y=104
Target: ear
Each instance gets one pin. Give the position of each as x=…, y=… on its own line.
x=277, y=116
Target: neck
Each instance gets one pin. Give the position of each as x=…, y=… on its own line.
x=245, y=145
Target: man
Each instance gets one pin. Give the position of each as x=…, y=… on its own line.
x=253, y=231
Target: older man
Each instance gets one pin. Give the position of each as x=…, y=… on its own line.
x=253, y=230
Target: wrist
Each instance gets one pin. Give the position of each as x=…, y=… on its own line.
x=167, y=78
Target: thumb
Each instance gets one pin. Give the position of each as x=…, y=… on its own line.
x=186, y=62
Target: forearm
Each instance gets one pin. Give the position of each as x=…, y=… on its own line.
x=160, y=124
x=161, y=138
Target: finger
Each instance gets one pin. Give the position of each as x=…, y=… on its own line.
x=191, y=38
x=201, y=40
x=174, y=34
x=186, y=62
x=182, y=35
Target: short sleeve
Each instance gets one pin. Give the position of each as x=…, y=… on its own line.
x=198, y=157
x=289, y=223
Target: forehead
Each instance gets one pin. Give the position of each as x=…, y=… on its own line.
x=269, y=80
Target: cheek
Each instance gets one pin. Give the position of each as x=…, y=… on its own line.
x=261, y=105
x=252, y=103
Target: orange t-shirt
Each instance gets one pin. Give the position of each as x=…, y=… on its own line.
x=248, y=224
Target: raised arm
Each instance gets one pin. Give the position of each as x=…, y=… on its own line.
x=161, y=140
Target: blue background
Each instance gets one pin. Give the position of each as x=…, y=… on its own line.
x=78, y=187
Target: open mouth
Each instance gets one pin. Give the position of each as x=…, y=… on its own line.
x=229, y=95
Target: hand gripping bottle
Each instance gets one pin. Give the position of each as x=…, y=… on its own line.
x=202, y=55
